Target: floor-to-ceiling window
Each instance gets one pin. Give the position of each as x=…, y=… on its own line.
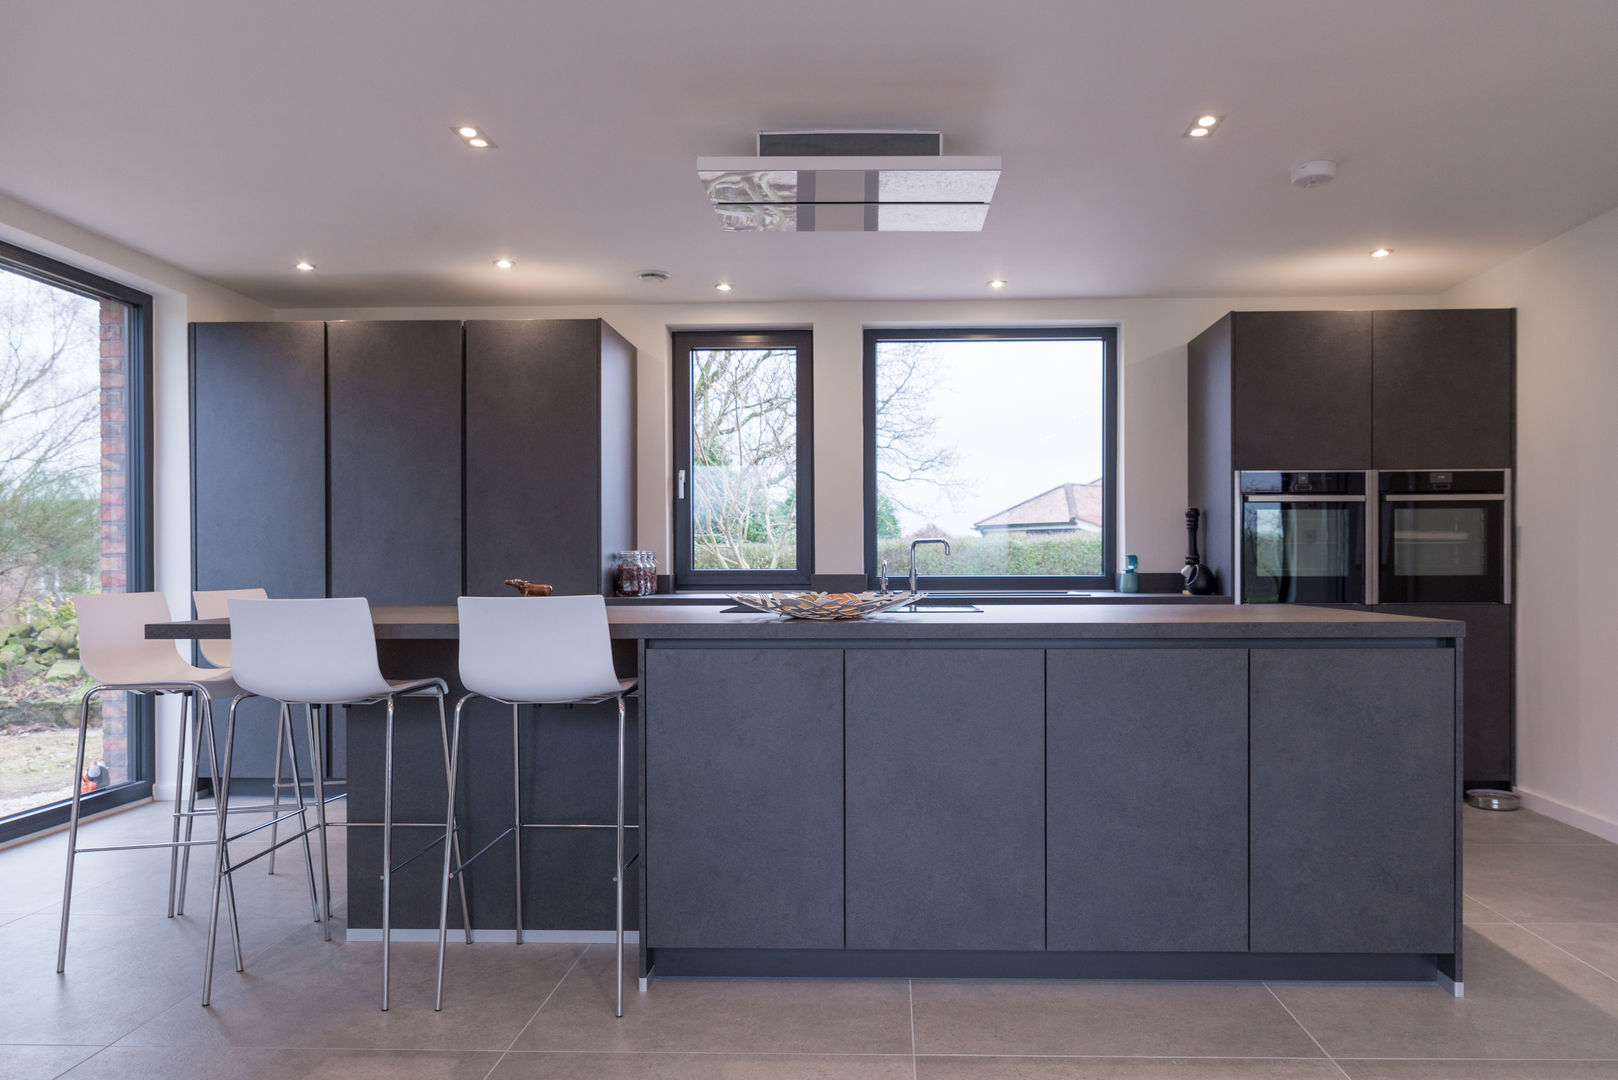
x=73, y=519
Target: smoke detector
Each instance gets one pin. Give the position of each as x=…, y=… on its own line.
x=1308, y=174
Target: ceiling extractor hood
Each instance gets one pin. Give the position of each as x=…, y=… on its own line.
x=850, y=181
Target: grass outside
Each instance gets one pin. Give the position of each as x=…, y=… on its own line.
x=36, y=764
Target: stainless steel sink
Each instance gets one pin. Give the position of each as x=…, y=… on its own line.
x=925, y=608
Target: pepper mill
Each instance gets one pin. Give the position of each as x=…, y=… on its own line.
x=1199, y=580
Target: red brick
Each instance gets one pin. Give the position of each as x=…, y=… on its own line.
x=112, y=497
x=111, y=397
x=112, y=331
x=112, y=412
x=111, y=378
x=112, y=582
x=109, y=349
x=111, y=547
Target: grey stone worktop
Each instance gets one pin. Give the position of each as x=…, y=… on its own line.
x=1077, y=622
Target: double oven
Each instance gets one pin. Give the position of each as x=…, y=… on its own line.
x=1374, y=537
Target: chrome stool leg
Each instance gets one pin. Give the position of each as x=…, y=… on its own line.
x=618, y=874
x=191, y=803
x=449, y=833
x=221, y=864
x=179, y=797
x=317, y=769
x=453, y=841
x=73, y=827
x=387, y=848
x=516, y=812
x=283, y=734
x=303, y=814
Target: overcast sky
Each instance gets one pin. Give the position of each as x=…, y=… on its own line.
x=1022, y=416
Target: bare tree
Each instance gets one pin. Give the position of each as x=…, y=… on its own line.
x=906, y=451
x=49, y=411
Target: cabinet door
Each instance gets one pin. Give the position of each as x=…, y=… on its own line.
x=946, y=822
x=1488, y=693
x=1301, y=390
x=1445, y=388
x=396, y=461
x=258, y=461
x=1146, y=799
x=533, y=454
x=744, y=798
x=258, y=435
x=1353, y=800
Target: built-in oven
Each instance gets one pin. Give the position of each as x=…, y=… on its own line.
x=1302, y=538
x=1446, y=537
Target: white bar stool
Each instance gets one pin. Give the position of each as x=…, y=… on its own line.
x=215, y=604
x=116, y=653
x=320, y=653
x=519, y=651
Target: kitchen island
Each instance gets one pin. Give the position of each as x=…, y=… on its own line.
x=1063, y=791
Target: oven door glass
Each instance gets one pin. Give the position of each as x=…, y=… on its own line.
x=1303, y=552
x=1443, y=552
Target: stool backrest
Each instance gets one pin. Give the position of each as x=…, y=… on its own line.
x=536, y=648
x=112, y=638
x=215, y=604
x=319, y=651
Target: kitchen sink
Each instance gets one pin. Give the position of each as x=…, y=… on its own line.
x=925, y=608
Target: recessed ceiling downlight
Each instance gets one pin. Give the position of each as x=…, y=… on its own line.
x=1381, y=253
x=1207, y=121
x=304, y=265
x=724, y=286
x=997, y=283
x=1203, y=126
x=474, y=137
x=505, y=264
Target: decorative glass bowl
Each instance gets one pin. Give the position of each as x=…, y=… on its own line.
x=825, y=606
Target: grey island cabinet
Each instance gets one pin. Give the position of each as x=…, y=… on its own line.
x=1069, y=792
x=1047, y=791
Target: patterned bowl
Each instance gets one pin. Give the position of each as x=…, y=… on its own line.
x=814, y=605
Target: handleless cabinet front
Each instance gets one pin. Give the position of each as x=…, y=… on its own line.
x=1146, y=800
x=1353, y=842
x=945, y=804
x=744, y=798
x=395, y=460
x=1301, y=390
x=1445, y=388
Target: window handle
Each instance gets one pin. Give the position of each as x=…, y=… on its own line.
x=680, y=484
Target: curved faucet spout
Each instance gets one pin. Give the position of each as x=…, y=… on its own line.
x=914, y=544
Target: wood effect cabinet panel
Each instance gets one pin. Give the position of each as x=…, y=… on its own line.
x=1146, y=799
x=1445, y=388
x=395, y=438
x=945, y=791
x=744, y=798
x=1352, y=842
x=1301, y=390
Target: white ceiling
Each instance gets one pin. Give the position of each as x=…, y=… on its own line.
x=233, y=139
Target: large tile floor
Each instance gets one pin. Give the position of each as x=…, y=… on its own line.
x=1541, y=1002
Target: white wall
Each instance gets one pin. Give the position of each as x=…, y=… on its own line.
x=1152, y=344
x=1566, y=296
x=178, y=297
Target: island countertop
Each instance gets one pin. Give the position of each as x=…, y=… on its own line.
x=1000, y=621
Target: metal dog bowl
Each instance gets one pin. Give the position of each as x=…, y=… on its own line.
x=1492, y=799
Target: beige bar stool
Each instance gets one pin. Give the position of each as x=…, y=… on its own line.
x=116, y=653
x=319, y=653
x=534, y=651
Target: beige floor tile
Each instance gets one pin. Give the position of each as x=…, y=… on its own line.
x=733, y=1016
x=1474, y=912
x=1519, y=826
x=520, y=1065
x=1545, y=882
x=1481, y=1070
x=1105, y=1019
x=1524, y=999
x=121, y=971
x=316, y=994
x=1015, y=1068
x=212, y=1063
x=1594, y=943
x=40, y=1062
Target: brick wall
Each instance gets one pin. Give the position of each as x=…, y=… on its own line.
x=114, y=517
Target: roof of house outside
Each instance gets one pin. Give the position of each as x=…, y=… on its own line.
x=1068, y=506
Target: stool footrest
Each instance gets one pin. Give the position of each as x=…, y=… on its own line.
x=480, y=853
x=560, y=825
x=430, y=845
